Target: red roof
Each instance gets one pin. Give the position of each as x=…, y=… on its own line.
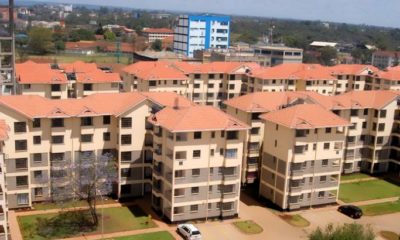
x=353, y=69
x=158, y=30
x=160, y=70
x=30, y=72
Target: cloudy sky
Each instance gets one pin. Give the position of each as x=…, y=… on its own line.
x=371, y=12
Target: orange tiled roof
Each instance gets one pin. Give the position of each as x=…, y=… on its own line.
x=78, y=67
x=98, y=76
x=160, y=70
x=376, y=99
x=353, y=69
x=195, y=118
x=4, y=128
x=392, y=74
x=30, y=72
x=305, y=116
x=158, y=30
x=295, y=71
x=265, y=101
x=214, y=67
x=33, y=106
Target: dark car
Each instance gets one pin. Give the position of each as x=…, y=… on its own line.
x=351, y=211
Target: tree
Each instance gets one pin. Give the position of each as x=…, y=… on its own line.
x=59, y=45
x=81, y=34
x=351, y=231
x=328, y=56
x=89, y=177
x=109, y=36
x=40, y=40
x=99, y=30
x=157, y=45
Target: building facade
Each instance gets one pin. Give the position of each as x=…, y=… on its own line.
x=385, y=59
x=197, y=32
x=153, y=34
x=197, y=164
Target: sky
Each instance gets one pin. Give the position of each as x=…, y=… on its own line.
x=371, y=12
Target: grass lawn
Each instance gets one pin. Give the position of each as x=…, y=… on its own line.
x=116, y=219
x=354, y=176
x=70, y=204
x=67, y=58
x=162, y=235
x=367, y=190
x=389, y=235
x=295, y=220
x=381, y=208
x=248, y=227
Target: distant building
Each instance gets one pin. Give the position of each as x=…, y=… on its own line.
x=197, y=32
x=318, y=44
x=277, y=54
x=153, y=34
x=384, y=59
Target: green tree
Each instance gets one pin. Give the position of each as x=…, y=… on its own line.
x=351, y=231
x=81, y=34
x=157, y=45
x=100, y=30
x=328, y=56
x=40, y=40
x=59, y=45
x=109, y=36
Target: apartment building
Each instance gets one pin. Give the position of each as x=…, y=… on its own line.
x=302, y=156
x=153, y=34
x=205, y=84
x=4, y=128
x=352, y=76
x=197, y=32
x=46, y=134
x=248, y=108
x=197, y=163
x=385, y=59
x=73, y=80
x=372, y=139
x=291, y=77
x=276, y=54
x=388, y=79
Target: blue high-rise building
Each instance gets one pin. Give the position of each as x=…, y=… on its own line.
x=197, y=32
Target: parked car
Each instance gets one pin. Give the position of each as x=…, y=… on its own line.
x=351, y=211
x=189, y=231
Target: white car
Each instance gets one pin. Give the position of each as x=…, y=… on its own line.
x=189, y=231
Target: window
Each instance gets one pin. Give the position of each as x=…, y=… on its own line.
x=106, y=120
x=26, y=86
x=211, y=76
x=231, y=86
x=221, y=151
x=86, y=121
x=213, y=134
x=37, y=139
x=125, y=172
x=21, y=181
x=38, y=192
x=22, y=198
x=179, y=174
x=276, y=143
x=322, y=179
x=126, y=139
x=383, y=114
x=195, y=190
x=364, y=125
x=212, y=152
x=326, y=146
x=379, y=140
x=196, y=172
x=126, y=156
x=255, y=131
x=20, y=127
x=231, y=153
x=381, y=127
x=325, y=162
x=37, y=157
x=114, y=85
x=21, y=163
x=354, y=112
x=197, y=135
x=86, y=138
x=227, y=206
x=365, y=112
x=194, y=208
x=21, y=145
x=106, y=136
x=54, y=157
x=321, y=194
x=232, y=135
x=36, y=123
x=57, y=139
x=87, y=87
x=55, y=87
x=196, y=153
x=57, y=122
x=328, y=130
x=126, y=122
x=152, y=83
x=222, y=134
x=37, y=174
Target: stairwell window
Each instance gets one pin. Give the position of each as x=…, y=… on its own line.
x=231, y=153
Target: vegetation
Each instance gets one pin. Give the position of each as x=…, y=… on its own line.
x=69, y=204
x=81, y=35
x=40, y=40
x=367, y=190
x=328, y=56
x=295, y=220
x=162, y=235
x=109, y=36
x=351, y=231
x=73, y=223
x=67, y=58
x=381, y=208
x=157, y=45
x=389, y=235
x=248, y=227
x=354, y=176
